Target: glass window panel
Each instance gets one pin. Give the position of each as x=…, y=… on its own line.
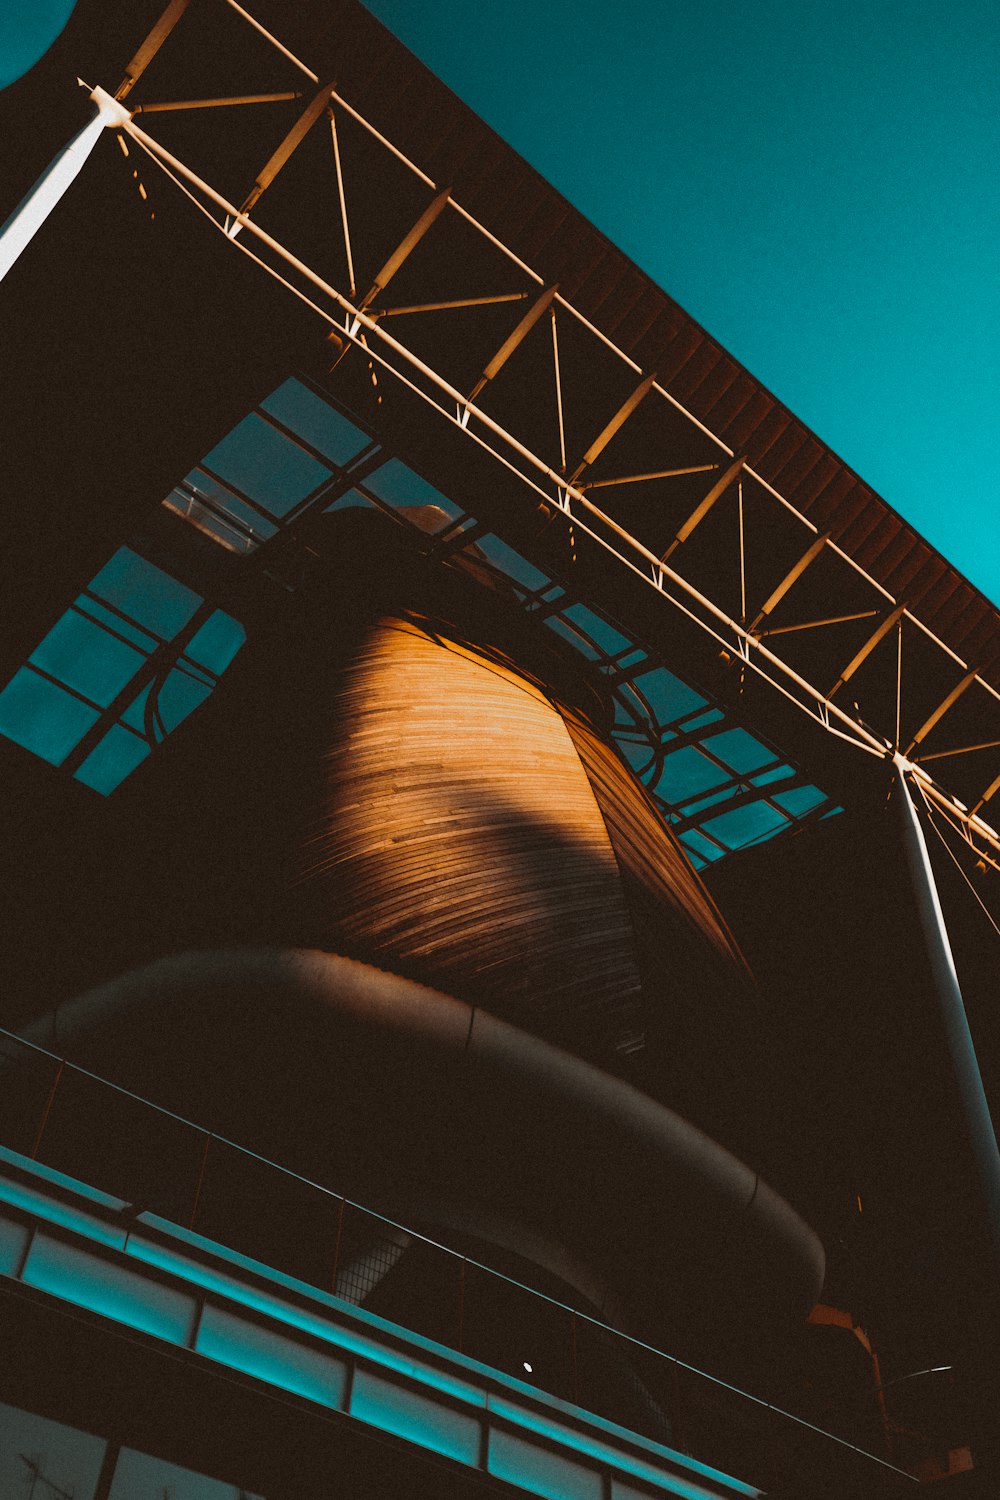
x=85, y=657
x=316, y=420
x=778, y=774
x=745, y=825
x=509, y=562
x=267, y=467
x=686, y=772
x=740, y=750
x=141, y=1477
x=696, y=843
x=216, y=642
x=700, y=720
x=800, y=799
x=218, y=497
x=145, y=593
x=638, y=756
x=112, y=759
x=610, y=640
x=179, y=696
x=351, y=501
x=41, y=717
x=702, y=802
x=104, y=616
x=667, y=696
x=401, y=488
x=576, y=640
x=221, y=529
x=42, y=1458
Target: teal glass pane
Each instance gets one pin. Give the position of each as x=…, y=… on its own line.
x=576, y=640
x=145, y=593
x=667, y=696
x=265, y=466
x=509, y=562
x=610, y=640
x=690, y=808
x=176, y=698
x=399, y=487
x=135, y=714
x=696, y=843
x=740, y=750
x=179, y=696
x=800, y=799
x=766, y=778
x=745, y=825
x=217, y=642
x=41, y=717
x=140, y=1477
x=85, y=657
x=223, y=500
x=112, y=759
x=43, y=1459
x=315, y=420
x=638, y=756
x=97, y=611
x=353, y=500
x=686, y=772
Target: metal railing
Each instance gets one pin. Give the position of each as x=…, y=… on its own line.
x=70, y=1119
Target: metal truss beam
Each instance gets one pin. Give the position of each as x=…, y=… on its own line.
x=351, y=324
x=860, y=657
x=793, y=575
x=701, y=510
x=538, y=308
x=150, y=47
x=617, y=422
x=406, y=247
x=942, y=708
x=292, y=140
x=229, y=99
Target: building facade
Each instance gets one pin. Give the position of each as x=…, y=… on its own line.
x=418, y=727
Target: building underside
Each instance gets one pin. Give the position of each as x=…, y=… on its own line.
x=457, y=731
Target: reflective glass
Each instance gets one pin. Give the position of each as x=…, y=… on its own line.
x=744, y=825
x=140, y=1477
x=314, y=419
x=800, y=799
x=87, y=658
x=740, y=750
x=506, y=560
x=610, y=640
x=145, y=593
x=222, y=499
x=265, y=466
x=668, y=697
x=401, y=488
x=41, y=717
x=112, y=759
x=42, y=1458
x=216, y=642
x=575, y=638
x=686, y=772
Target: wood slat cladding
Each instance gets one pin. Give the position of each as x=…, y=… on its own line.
x=704, y=1041
x=457, y=840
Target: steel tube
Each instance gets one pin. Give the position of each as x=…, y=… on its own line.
x=974, y=1105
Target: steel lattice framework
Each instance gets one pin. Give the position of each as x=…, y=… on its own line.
x=754, y=624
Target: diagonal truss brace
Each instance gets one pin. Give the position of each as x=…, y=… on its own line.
x=701, y=510
x=601, y=528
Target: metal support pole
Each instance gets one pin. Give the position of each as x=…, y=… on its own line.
x=972, y=1095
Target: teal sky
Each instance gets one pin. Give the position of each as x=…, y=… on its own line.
x=27, y=30
x=819, y=186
